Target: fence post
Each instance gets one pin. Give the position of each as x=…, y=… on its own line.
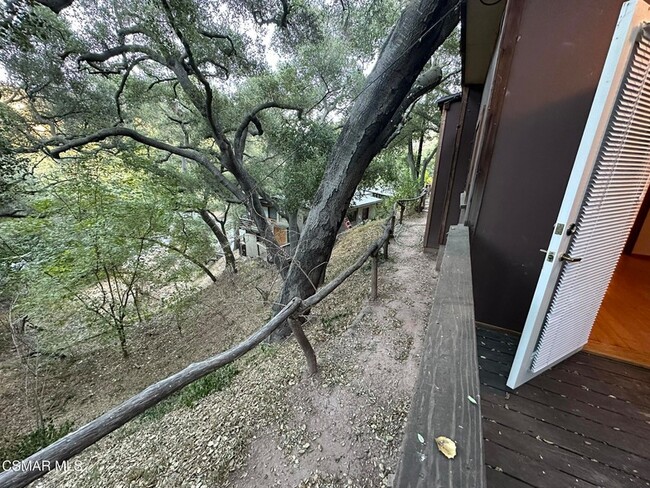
x=401, y=212
x=392, y=226
x=373, y=284
x=386, y=249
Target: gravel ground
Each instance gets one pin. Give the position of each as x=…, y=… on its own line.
x=275, y=425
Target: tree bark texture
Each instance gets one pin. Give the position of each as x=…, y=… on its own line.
x=421, y=29
x=294, y=232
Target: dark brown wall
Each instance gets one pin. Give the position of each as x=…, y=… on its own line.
x=441, y=173
x=463, y=158
x=456, y=151
x=558, y=56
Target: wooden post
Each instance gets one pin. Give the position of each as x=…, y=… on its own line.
x=373, y=284
x=392, y=225
x=295, y=323
x=386, y=249
x=401, y=212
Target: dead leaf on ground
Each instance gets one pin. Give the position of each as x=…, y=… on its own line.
x=446, y=446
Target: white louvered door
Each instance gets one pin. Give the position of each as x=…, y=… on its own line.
x=608, y=182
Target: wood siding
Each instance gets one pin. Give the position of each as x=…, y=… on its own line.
x=452, y=166
x=442, y=170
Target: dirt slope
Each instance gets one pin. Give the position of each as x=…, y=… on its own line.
x=274, y=425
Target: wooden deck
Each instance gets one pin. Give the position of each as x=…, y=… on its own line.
x=584, y=423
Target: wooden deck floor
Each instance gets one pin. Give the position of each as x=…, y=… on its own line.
x=584, y=423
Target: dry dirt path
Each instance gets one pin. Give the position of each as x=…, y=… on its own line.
x=354, y=414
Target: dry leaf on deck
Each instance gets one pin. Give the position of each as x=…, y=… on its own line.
x=446, y=446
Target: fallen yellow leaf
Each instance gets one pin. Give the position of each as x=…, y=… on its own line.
x=446, y=446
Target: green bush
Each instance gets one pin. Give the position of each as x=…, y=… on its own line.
x=34, y=441
x=191, y=394
x=217, y=381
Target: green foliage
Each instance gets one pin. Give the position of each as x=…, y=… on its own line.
x=112, y=222
x=191, y=394
x=302, y=148
x=36, y=440
x=407, y=188
x=217, y=381
x=98, y=247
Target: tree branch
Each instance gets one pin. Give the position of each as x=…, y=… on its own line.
x=148, y=141
x=118, y=51
x=120, y=89
x=55, y=5
x=240, y=134
x=213, y=35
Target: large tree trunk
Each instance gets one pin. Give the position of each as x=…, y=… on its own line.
x=421, y=29
x=209, y=219
x=294, y=232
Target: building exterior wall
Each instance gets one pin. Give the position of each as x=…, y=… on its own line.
x=442, y=172
x=551, y=56
x=462, y=158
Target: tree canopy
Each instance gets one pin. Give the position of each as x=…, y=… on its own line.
x=129, y=120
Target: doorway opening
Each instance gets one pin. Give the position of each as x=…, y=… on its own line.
x=622, y=327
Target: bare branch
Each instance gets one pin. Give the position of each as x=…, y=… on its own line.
x=132, y=30
x=281, y=19
x=14, y=213
x=120, y=89
x=55, y=5
x=214, y=35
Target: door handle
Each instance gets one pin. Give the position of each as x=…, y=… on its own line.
x=568, y=259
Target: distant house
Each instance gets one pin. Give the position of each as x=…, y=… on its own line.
x=252, y=243
x=545, y=156
x=363, y=207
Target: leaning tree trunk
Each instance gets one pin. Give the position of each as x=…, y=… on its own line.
x=420, y=30
x=294, y=232
x=221, y=237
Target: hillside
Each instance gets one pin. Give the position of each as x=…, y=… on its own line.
x=271, y=425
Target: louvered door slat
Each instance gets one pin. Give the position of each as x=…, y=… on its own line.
x=611, y=203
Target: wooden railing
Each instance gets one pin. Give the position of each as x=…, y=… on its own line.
x=38, y=464
x=421, y=198
x=446, y=401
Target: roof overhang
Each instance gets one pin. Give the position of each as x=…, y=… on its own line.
x=481, y=23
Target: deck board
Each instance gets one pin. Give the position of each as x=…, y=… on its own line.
x=561, y=459
x=585, y=422
x=503, y=480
